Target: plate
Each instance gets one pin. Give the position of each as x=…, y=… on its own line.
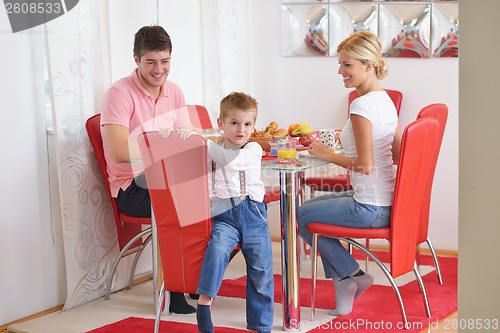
x=305, y=153
x=268, y=156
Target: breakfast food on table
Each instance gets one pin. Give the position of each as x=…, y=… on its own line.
x=307, y=139
x=264, y=137
x=300, y=129
x=304, y=131
x=273, y=131
x=280, y=132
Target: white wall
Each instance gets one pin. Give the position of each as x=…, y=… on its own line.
x=295, y=89
x=32, y=277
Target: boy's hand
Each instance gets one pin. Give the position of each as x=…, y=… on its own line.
x=165, y=132
x=185, y=133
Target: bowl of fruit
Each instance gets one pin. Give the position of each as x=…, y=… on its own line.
x=305, y=133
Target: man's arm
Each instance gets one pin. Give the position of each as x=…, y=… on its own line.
x=116, y=143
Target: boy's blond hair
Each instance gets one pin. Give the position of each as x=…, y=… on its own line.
x=237, y=100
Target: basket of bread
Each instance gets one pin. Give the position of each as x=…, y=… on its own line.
x=269, y=134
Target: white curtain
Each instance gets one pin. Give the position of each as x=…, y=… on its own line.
x=226, y=49
x=78, y=70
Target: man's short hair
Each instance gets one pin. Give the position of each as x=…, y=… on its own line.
x=151, y=38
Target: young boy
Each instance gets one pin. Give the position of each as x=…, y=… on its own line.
x=239, y=216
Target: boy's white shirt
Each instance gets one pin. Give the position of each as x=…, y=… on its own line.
x=246, y=159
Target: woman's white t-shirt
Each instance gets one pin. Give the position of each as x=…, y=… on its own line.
x=376, y=188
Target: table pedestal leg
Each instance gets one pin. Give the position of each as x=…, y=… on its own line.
x=289, y=251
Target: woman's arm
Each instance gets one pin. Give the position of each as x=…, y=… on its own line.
x=396, y=146
x=364, y=162
x=362, y=129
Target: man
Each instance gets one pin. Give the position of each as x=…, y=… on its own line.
x=143, y=101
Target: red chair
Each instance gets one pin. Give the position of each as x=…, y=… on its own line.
x=341, y=182
x=439, y=112
x=177, y=176
x=395, y=95
x=417, y=148
x=199, y=116
x=130, y=229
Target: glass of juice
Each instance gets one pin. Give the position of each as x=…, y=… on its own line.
x=287, y=152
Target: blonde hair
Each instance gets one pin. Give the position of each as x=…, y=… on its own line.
x=237, y=100
x=365, y=47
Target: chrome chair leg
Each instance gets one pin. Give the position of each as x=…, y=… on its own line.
x=302, y=248
x=312, y=192
x=158, y=309
x=422, y=289
x=136, y=259
x=107, y=289
x=386, y=272
x=436, y=262
x=367, y=258
x=302, y=188
x=314, y=269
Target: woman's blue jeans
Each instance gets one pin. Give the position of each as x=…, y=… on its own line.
x=245, y=223
x=339, y=209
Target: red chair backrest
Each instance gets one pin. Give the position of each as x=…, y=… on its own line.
x=417, y=147
x=125, y=231
x=176, y=173
x=199, y=116
x=439, y=112
x=395, y=95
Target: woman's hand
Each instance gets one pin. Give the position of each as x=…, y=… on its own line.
x=319, y=150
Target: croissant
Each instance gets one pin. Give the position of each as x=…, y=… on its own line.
x=281, y=132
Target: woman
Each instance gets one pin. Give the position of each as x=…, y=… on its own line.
x=371, y=139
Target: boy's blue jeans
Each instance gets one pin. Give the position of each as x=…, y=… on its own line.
x=245, y=223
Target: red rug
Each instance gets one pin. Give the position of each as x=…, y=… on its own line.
x=378, y=309
x=375, y=312
x=140, y=325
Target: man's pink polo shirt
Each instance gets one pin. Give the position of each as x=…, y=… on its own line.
x=128, y=104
